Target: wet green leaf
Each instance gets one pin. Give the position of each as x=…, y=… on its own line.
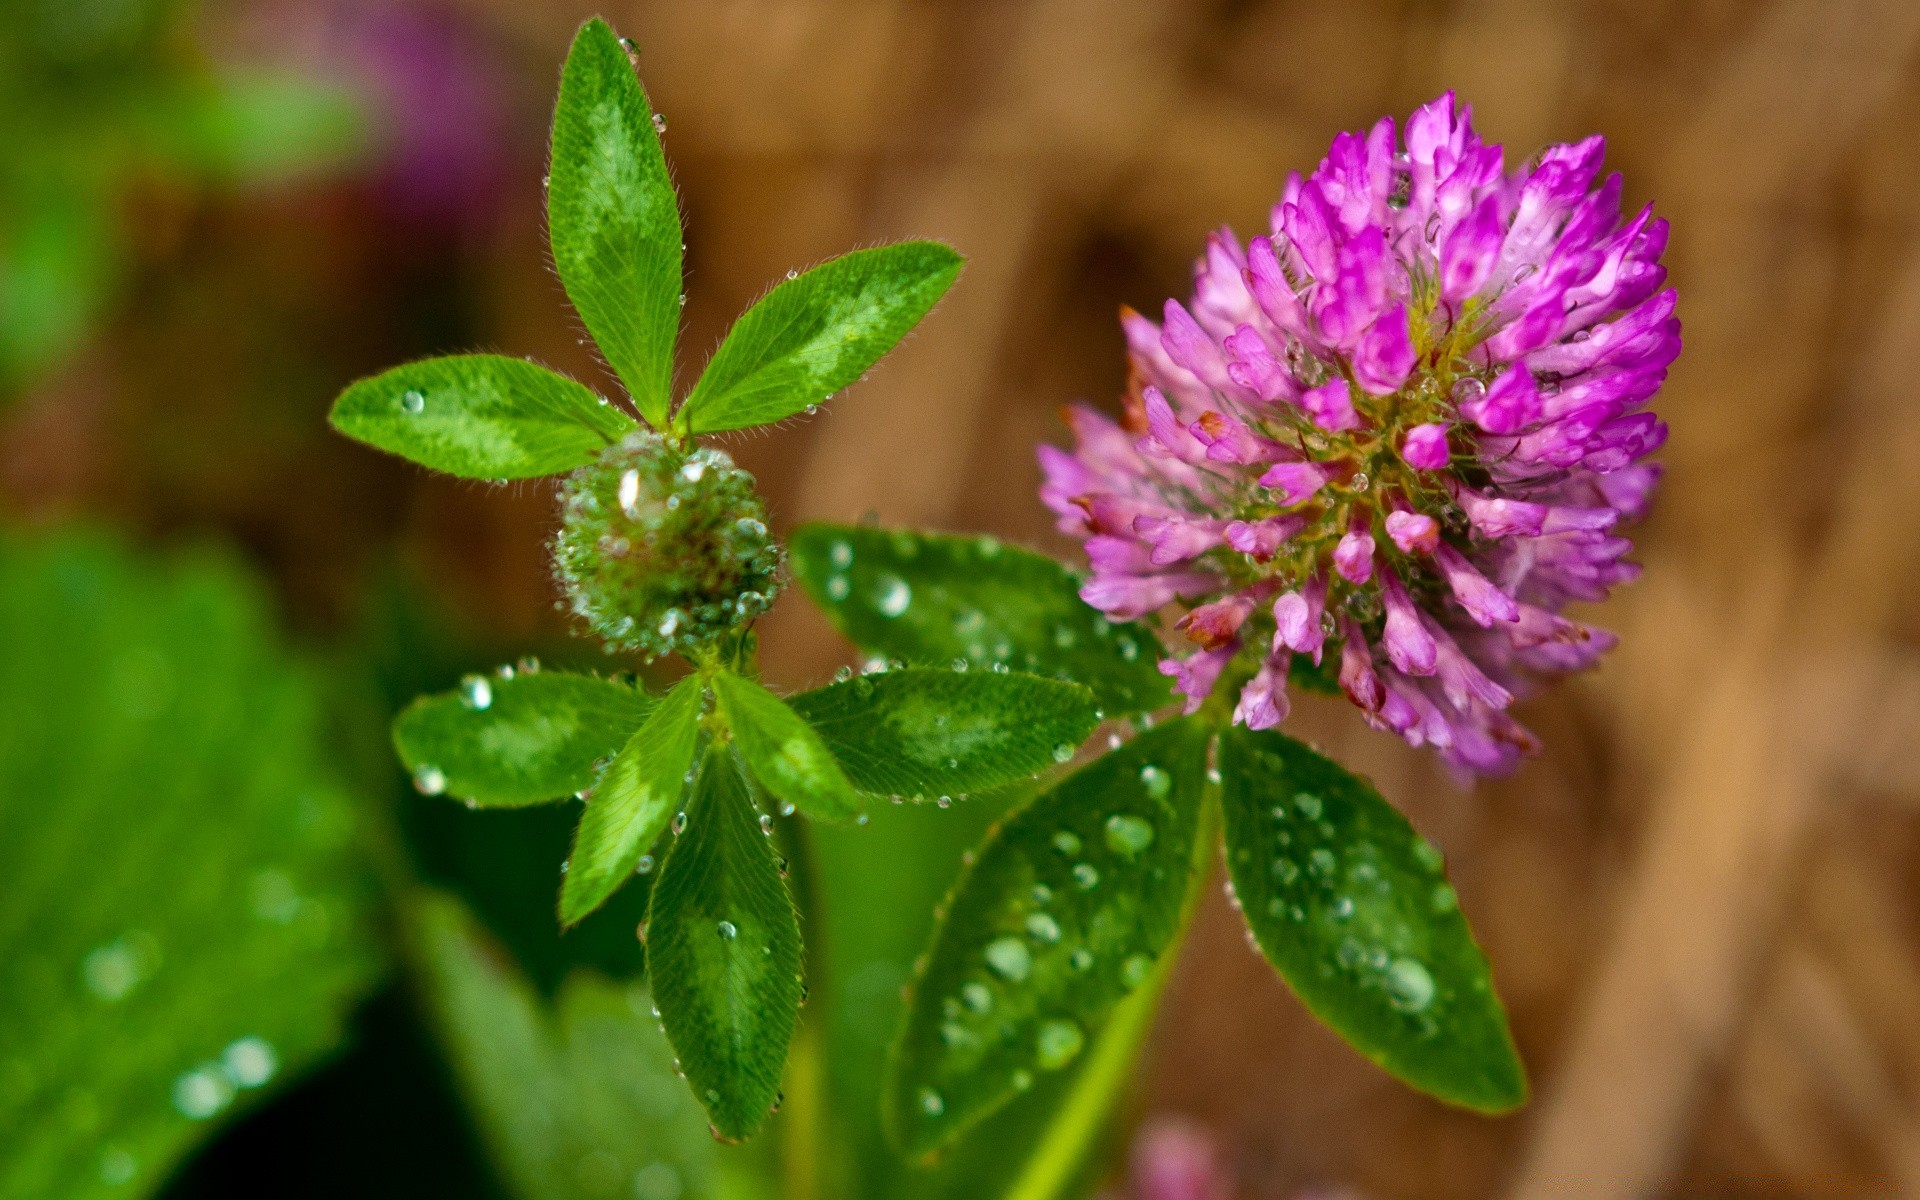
x=575, y=1103
x=933, y=599
x=814, y=334
x=926, y=733
x=480, y=416
x=785, y=754
x=1352, y=907
x=614, y=219
x=635, y=798
x=184, y=918
x=723, y=952
x=1067, y=909
x=526, y=739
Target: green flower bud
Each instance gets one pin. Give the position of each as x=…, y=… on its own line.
x=664, y=548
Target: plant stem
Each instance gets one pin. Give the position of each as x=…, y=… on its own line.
x=804, y=1112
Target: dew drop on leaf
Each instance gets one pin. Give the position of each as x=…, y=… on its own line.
x=1156, y=781
x=1067, y=842
x=1062, y=752
x=1081, y=959
x=931, y=1102
x=413, y=401
x=644, y=866
x=1321, y=862
x=1043, y=928
x=429, y=780
x=838, y=588
x=895, y=596
x=840, y=554
x=1409, y=985
x=977, y=997
x=1008, y=957
x=476, y=693
x=1058, y=1044
x=1128, y=835
x=1309, y=805
x=1135, y=970
x=727, y=931
x=1085, y=877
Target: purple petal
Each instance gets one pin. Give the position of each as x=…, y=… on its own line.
x=1414, y=533
x=1353, y=557
x=1331, y=406
x=1425, y=447
x=1385, y=355
x=1295, y=481
x=1409, y=646
x=1263, y=701
x=1195, y=675
x=1470, y=251
x=1484, y=602
x=1357, y=678
x=1511, y=404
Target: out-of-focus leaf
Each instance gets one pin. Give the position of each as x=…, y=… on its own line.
x=254, y=127
x=633, y=802
x=926, y=733
x=723, y=952
x=480, y=416
x=183, y=917
x=1067, y=909
x=527, y=739
x=814, y=334
x=614, y=219
x=1350, y=904
x=783, y=751
x=577, y=1103
x=933, y=599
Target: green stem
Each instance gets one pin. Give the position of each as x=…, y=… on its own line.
x=1082, y=1116
x=804, y=1111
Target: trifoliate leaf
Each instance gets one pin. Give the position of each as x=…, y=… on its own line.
x=927, y=733
x=723, y=952
x=524, y=739
x=814, y=334
x=934, y=599
x=1351, y=906
x=480, y=416
x=635, y=798
x=613, y=217
x=784, y=752
x=1067, y=909
x=575, y=1103
x=184, y=920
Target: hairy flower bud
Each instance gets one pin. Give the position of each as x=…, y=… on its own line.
x=663, y=548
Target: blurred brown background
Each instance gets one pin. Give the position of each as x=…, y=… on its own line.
x=1703, y=900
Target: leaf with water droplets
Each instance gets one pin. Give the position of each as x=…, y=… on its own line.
x=537, y=737
x=185, y=921
x=784, y=752
x=815, y=333
x=480, y=416
x=1350, y=904
x=613, y=217
x=573, y=1100
x=1048, y=930
x=927, y=733
x=934, y=599
x=632, y=803
x=728, y=1000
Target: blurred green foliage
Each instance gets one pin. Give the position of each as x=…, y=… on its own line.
x=95, y=97
x=186, y=918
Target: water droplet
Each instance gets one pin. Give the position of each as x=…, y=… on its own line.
x=792, y=274
x=629, y=493
x=659, y=122
x=1309, y=805
x=644, y=866
x=693, y=470
x=1043, y=928
x=1444, y=899
x=202, y=1092
x=1128, y=835
x=1342, y=908
x=1042, y=894
x=114, y=970
x=1213, y=774
x=931, y=1103
x=1359, y=482
x=1067, y=842
x=1081, y=959
x=1467, y=390
x=679, y=825
x=1022, y=1080
x=250, y=1062
x=1063, y=752
x=1085, y=877
x=1409, y=985
x=1285, y=871
x=1009, y=957
x=894, y=596
x=961, y=664
x=1321, y=862
x=977, y=997
x=412, y=401
x=838, y=588
x=1427, y=855
x=1058, y=1044
x=429, y=780
x=1129, y=649
x=1156, y=781
x=840, y=554
x=476, y=692
x=727, y=931
x=1135, y=970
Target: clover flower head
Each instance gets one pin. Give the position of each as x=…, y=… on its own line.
x=1396, y=436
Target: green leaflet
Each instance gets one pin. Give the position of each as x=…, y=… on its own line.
x=927, y=733
x=783, y=751
x=480, y=416
x=633, y=802
x=1066, y=910
x=614, y=220
x=504, y=743
x=184, y=919
x=815, y=333
x=934, y=599
x=723, y=952
x=576, y=1103
x=1350, y=904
